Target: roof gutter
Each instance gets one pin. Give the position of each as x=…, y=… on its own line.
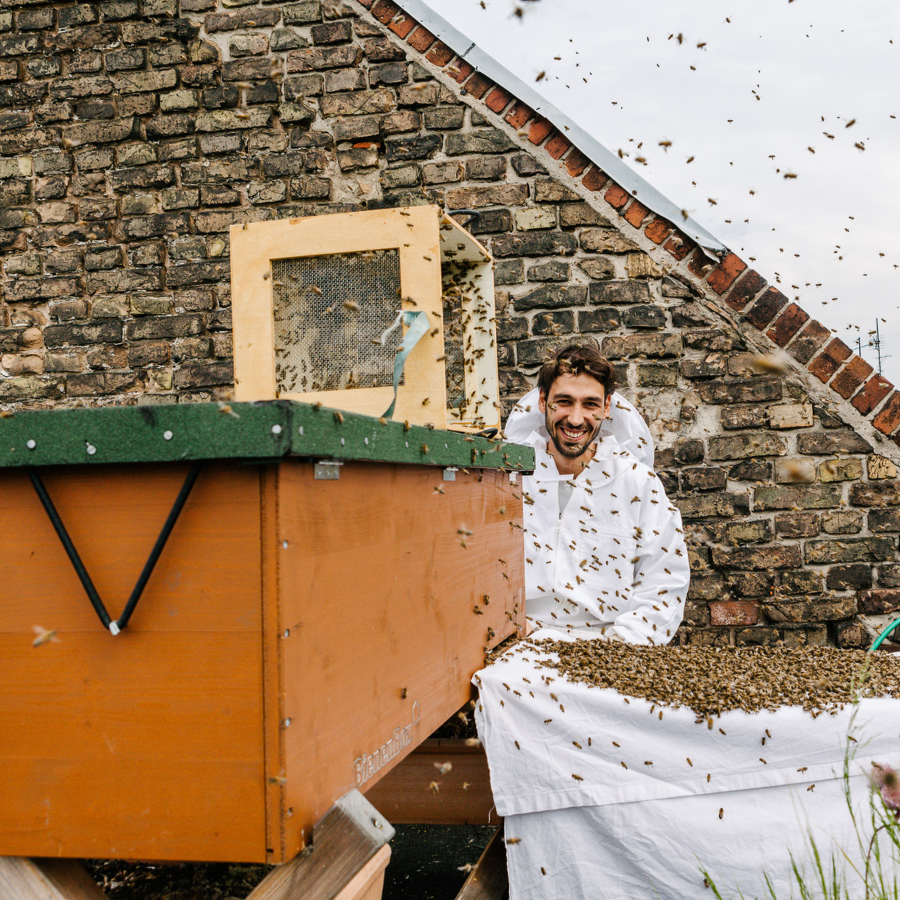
x=608, y=161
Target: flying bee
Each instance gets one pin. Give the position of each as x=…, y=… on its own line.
x=44, y=636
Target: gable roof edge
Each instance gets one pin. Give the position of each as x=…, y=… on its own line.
x=608, y=161
x=739, y=295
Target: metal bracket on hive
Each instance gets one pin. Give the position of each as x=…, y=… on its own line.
x=114, y=626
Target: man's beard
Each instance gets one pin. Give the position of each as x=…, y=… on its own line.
x=570, y=452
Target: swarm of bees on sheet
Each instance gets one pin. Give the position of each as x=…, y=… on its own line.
x=711, y=681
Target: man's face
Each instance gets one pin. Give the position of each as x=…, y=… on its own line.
x=574, y=410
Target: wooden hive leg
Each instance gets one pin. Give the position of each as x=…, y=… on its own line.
x=347, y=859
x=489, y=880
x=46, y=879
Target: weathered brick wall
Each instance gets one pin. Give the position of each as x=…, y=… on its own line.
x=134, y=132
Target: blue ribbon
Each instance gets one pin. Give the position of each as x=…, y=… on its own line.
x=417, y=326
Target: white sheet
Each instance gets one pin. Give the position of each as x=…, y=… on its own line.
x=630, y=832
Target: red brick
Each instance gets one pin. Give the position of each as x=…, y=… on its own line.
x=873, y=392
x=478, y=85
x=384, y=11
x=439, y=54
x=402, y=24
x=558, y=145
x=807, y=342
x=576, y=163
x=700, y=264
x=878, y=601
x=636, y=213
x=851, y=377
x=766, y=308
x=723, y=276
x=829, y=360
x=787, y=324
x=595, y=180
x=421, y=39
x=658, y=230
x=679, y=245
x=889, y=418
x=745, y=290
x=519, y=114
x=498, y=99
x=460, y=70
x=616, y=197
x=734, y=612
x=539, y=130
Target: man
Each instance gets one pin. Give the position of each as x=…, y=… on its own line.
x=604, y=549
x=604, y=559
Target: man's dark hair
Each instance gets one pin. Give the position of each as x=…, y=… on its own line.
x=577, y=359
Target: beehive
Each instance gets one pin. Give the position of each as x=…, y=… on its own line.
x=331, y=585
x=316, y=306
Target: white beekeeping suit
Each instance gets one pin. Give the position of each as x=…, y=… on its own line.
x=604, y=552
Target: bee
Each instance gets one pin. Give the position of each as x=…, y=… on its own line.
x=578, y=777
x=721, y=812
x=443, y=768
x=44, y=636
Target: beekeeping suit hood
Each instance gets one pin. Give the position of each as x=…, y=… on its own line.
x=625, y=424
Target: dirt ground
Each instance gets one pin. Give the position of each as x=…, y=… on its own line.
x=427, y=863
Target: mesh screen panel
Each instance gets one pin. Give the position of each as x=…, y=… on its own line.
x=330, y=312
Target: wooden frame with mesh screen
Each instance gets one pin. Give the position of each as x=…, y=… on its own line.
x=314, y=301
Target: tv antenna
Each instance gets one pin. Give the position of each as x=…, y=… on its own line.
x=875, y=343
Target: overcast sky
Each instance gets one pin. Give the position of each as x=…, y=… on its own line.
x=742, y=94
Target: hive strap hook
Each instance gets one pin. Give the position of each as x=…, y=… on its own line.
x=114, y=626
x=417, y=326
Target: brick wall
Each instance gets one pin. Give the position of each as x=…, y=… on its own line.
x=134, y=132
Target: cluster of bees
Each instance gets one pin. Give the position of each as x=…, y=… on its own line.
x=315, y=329
x=466, y=311
x=710, y=681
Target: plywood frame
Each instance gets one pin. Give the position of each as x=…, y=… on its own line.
x=412, y=232
x=482, y=388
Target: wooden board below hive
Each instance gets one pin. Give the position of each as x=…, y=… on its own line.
x=416, y=792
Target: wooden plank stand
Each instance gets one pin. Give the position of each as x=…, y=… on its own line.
x=346, y=861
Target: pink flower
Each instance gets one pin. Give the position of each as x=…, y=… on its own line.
x=887, y=782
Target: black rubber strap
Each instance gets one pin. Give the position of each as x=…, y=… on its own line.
x=115, y=627
x=80, y=570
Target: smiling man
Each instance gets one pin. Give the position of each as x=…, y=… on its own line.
x=604, y=549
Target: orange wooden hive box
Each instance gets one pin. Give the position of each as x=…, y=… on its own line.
x=330, y=586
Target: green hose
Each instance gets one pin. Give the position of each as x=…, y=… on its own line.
x=884, y=634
